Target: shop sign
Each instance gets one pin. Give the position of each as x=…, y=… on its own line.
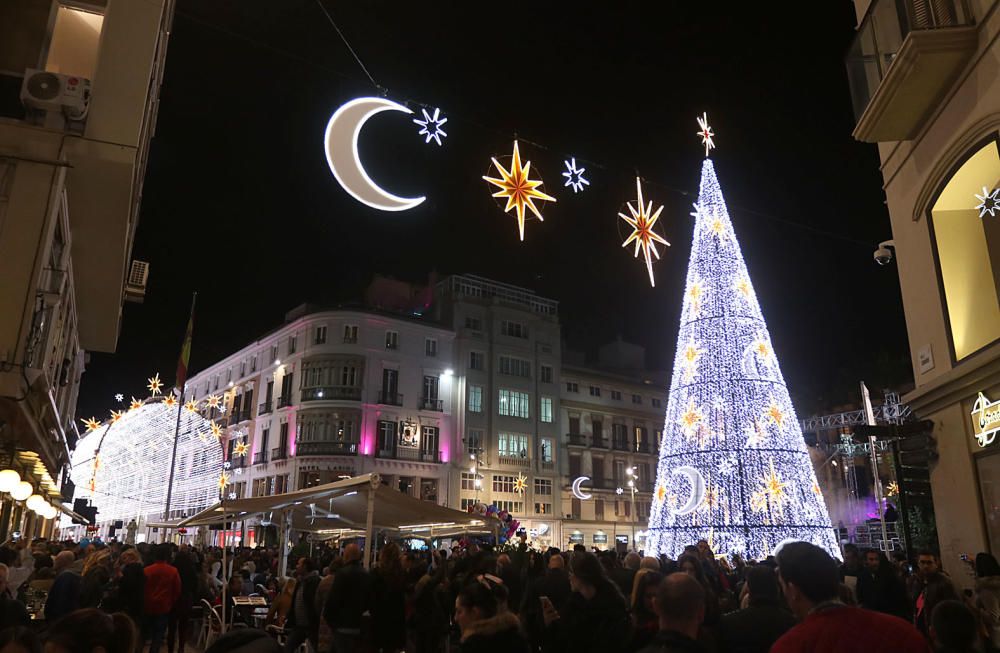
x=985, y=420
x=576, y=538
x=600, y=538
x=621, y=539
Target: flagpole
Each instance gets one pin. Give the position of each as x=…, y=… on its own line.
x=180, y=408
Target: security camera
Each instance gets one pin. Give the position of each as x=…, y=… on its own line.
x=883, y=255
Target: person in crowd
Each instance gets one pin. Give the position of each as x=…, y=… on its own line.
x=988, y=597
x=161, y=591
x=90, y=630
x=650, y=563
x=127, y=593
x=431, y=607
x=484, y=626
x=880, y=588
x=928, y=563
x=324, y=636
x=851, y=567
x=12, y=612
x=350, y=598
x=595, y=617
x=937, y=587
x=624, y=576
x=388, y=584
x=64, y=596
x=690, y=564
x=19, y=639
x=680, y=606
x=96, y=577
x=178, y=624
x=303, y=619
x=645, y=620
x=555, y=587
x=277, y=614
x=809, y=579
x=755, y=628
x=953, y=628
x=245, y=640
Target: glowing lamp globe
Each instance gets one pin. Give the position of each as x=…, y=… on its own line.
x=35, y=502
x=21, y=491
x=8, y=479
x=49, y=511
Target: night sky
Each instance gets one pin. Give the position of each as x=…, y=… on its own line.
x=240, y=206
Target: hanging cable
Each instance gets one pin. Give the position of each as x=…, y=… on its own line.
x=353, y=53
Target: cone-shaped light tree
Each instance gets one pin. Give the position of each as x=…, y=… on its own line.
x=733, y=467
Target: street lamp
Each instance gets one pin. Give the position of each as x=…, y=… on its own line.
x=630, y=472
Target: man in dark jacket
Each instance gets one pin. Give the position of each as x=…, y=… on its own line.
x=303, y=617
x=880, y=588
x=64, y=596
x=350, y=599
x=680, y=604
x=755, y=628
x=624, y=577
x=555, y=586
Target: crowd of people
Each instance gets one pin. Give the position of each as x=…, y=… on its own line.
x=474, y=598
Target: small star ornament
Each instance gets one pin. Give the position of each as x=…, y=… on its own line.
x=232, y=496
x=989, y=201
x=431, y=126
x=519, y=188
x=241, y=449
x=119, y=397
x=574, y=176
x=520, y=484
x=92, y=424
x=619, y=491
x=135, y=404
x=191, y=405
x=642, y=221
x=706, y=133
x=223, y=480
x=155, y=385
x=117, y=415
x=212, y=401
x=170, y=400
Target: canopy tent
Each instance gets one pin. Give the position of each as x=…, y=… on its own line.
x=362, y=503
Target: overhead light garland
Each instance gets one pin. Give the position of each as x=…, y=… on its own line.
x=642, y=221
x=519, y=188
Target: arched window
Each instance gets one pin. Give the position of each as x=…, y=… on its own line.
x=967, y=250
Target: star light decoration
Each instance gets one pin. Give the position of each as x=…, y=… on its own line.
x=191, y=405
x=92, y=424
x=692, y=419
x=892, y=489
x=519, y=188
x=241, y=449
x=772, y=493
x=223, y=481
x=170, y=400
x=431, y=126
x=574, y=176
x=216, y=430
x=117, y=415
x=775, y=414
x=692, y=352
x=642, y=221
x=989, y=201
x=136, y=403
x=213, y=401
x=706, y=133
x=619, y=491
x=520, y=484
x=119, y=397
x=155, y=385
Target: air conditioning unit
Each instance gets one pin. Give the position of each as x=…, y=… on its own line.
x=47, y=91
x=135, y=284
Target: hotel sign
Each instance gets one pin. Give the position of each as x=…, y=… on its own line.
x=985, y=420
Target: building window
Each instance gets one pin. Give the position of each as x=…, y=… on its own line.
x=510, y=506
x=595, y=391
x=392, y=340
x=543, y=486
x=513, y=329
x=515, y=367
x=350, y=333
x=386, y=437
x=293, y=344
x=467, y=502
x=475, y=399
x=430, y=347
x=512, y=444
x=636, y=399
x=349, y=375
x=545, y=373
x=253, y=364
x=572, y=387
x=543, y=508
x=654, y=402
x=503, y=483
x=546, y=409
x=619, y=436
x=474, y=441
x=473, y=323
x=545, y=449
x=967, y=249
x=477, y=360
x=513, y=403
x=243, y=369
x=274, y=352
x=616, y=395
x=320, y=337
x=430, y=388
x=73, y=46
x=468, y=481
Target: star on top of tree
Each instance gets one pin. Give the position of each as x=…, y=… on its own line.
x=706, y=132
x=155, y=385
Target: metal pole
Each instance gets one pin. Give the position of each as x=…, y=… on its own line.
x=870, y=414
x=369, y=545
x=177, y=430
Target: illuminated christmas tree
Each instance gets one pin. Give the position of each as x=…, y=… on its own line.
x=733, y=468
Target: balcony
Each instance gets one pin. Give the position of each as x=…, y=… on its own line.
x=599, y=443
x=279, y=453
x=237, y=462
x=642, y=447
x=332, y=393
x=514, y=461
x=326, y=448
x=284, y=402
x=390, y=398
x=576, y=440
x=264, y=408
x=260, y=457
x=350, y=340
x=235, y=417
x=409, y=453
x=429, y=403
x=548, y=465
x=620, y=444
x=905, y=56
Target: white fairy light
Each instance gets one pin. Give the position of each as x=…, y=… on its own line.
x=431, y=126
x=739, y=473
x=574, y=176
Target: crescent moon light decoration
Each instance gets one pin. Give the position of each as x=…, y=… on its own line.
x=578, y=490
x=341, y=143
x=697, y=482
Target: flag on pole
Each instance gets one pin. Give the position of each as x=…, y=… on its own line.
x=182, y=363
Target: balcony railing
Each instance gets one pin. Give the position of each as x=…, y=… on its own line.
x=326, y=448
x=390, y=398
x=642, y=447
x=264, y=408
x=576, y=439
x=514, y=461
x=279, y=453
x=429, y=403
x=905, y=54
x=599, y=442
x=284, y=402
x=548, y=464
x=235, y=417
x=260, y=457
x=237, y=462
x=620, y=444
x=332, y=393
x=350, y=340
x=410, y=453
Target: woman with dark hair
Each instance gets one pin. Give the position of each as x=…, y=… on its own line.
x=595, y=617
x=988, y=597
x=645, y=622
x=692, y=566
x=485, y=627
x=91, y=631
x=389, y=592
x=128, y=589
